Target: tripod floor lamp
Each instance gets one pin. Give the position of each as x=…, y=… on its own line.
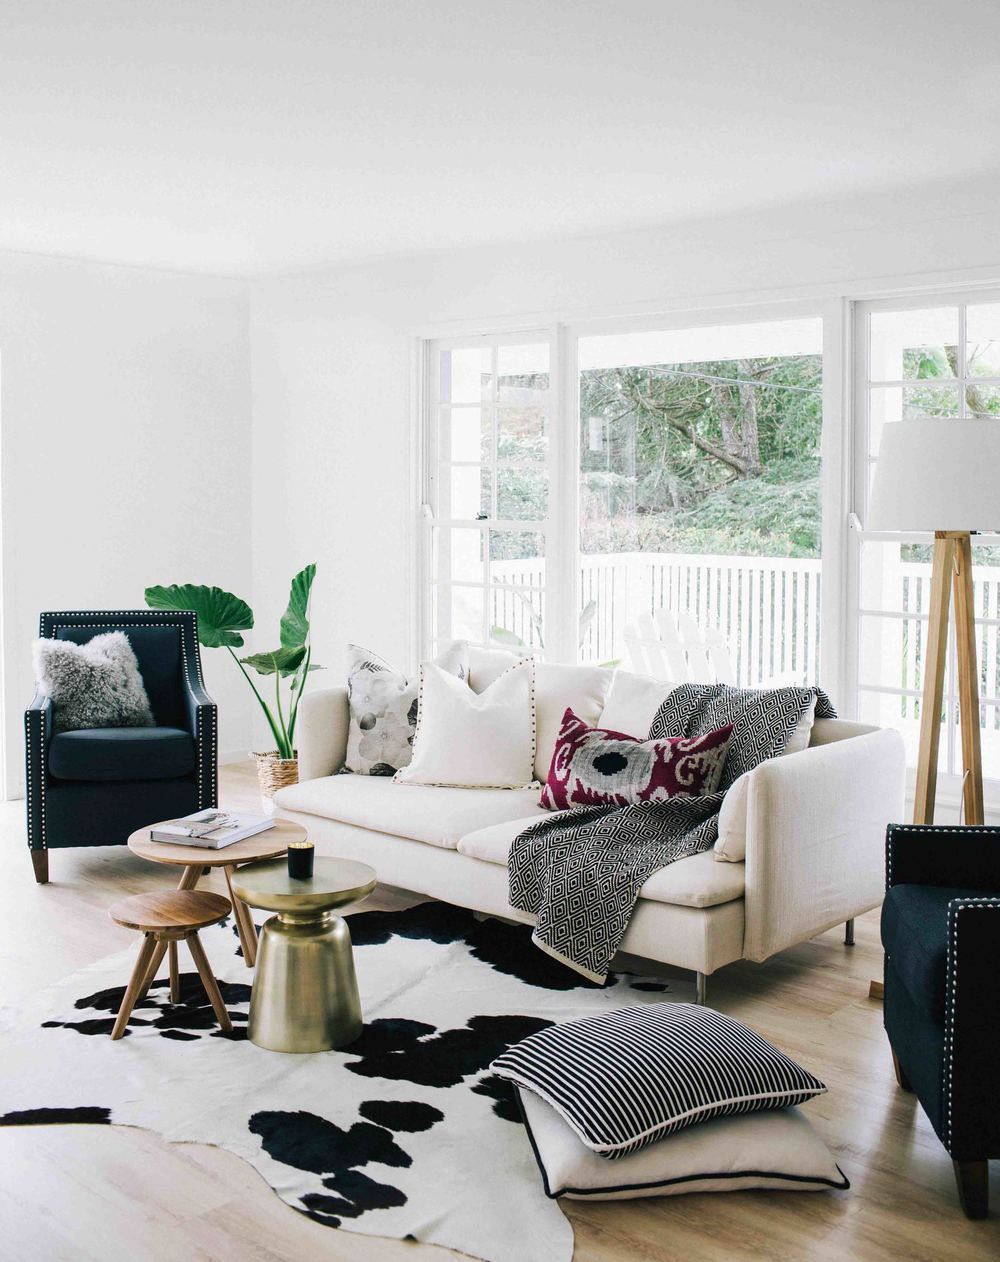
x=943, y=477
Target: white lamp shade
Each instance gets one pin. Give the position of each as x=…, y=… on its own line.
x=937, y=475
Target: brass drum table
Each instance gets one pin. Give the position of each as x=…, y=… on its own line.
x=195, y=859
x=305, y=992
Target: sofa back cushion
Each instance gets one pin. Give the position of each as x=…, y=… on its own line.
x=632, y=702
x=158, y=651
x=582, y=689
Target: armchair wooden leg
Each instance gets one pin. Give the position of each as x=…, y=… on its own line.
x=973, y=1181
x=40, y=862
x=901, y=1077
x=849, y=932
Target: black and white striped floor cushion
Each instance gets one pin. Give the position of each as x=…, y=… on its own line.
x=624, y=1079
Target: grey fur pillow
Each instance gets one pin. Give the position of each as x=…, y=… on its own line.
x=96, y=684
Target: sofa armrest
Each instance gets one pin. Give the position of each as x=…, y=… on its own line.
x=37, y=734
x=970, y=1114
x=321, y=732
x=925, y=854
x=815, y=827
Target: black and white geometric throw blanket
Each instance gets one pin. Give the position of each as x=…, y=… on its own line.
x=579, y=872
x=404, y=1134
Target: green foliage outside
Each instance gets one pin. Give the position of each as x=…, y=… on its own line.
x=721, y=456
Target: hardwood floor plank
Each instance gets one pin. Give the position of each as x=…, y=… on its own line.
x=76, y=1192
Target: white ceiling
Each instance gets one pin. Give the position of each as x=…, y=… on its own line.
x=253, y=136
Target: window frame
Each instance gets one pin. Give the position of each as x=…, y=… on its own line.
x=562, y=582
x=859, y=359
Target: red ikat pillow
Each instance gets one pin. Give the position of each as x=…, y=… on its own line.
x=592, y=766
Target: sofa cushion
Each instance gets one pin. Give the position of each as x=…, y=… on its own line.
x=122, y=753
x=697, y=881
x=915, y=937
x=557, y=689
x=632, y=702
x=420, y=812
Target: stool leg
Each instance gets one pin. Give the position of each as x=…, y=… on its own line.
x=244, y=921
x=134, y=985
x=175, y=976
x=154, y=968
x=208, y=980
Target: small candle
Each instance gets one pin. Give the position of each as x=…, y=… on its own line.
x=300, y=860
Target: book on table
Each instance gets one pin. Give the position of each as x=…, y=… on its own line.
x=211, y=829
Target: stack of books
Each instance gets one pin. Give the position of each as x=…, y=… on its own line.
x=211, y=829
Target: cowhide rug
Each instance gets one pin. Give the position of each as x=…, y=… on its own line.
x=402, y=1134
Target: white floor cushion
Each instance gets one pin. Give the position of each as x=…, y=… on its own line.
x=777, y=1149
x=695, y=882
x=421, y=813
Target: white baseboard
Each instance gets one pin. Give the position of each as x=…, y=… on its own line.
x=229, y=756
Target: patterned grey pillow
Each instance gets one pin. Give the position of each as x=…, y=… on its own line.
x=96, y=684
x=384, y=709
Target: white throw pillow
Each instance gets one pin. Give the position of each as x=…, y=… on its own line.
x=474, y=740
x=486, y=665
x=777, y=1149
x=582, y=689
x=731, y=845
x=632, y=702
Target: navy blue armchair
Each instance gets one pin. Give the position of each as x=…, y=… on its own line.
x=96, y=786
x=941, y=933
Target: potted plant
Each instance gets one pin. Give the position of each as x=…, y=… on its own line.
x=221, y=619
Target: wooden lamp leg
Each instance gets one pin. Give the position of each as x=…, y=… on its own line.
x=935, y=659
x=968, y=681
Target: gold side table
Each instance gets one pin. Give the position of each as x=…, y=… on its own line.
x=305, y=991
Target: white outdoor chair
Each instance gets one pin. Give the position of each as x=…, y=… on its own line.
x=673, y=647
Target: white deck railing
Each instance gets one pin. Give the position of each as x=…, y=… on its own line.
x=767, y=608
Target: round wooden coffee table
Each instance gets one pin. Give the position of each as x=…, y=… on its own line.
x=194, y=860
x=305, y=992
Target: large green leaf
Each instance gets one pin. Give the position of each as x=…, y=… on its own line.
x=221, y=615
x=283, y=661
x=294, y=629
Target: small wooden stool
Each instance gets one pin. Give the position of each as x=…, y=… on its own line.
x=166, y=918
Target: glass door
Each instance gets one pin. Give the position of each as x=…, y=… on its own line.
x=489, y=463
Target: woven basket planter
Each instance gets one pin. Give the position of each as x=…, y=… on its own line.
x=274, y=773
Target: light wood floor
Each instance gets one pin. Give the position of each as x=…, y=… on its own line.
x=110, y=1193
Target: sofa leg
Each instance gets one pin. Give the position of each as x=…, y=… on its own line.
x=901, y=1077
x=849, y=932
x=40, y=862
x=702, y=987
x=973, y=1182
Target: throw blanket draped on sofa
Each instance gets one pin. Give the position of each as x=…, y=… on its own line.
x=579, y=872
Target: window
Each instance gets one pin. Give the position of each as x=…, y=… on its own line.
x=489, y=464
x=680, y=480
x=699, y=499
x=937, y=357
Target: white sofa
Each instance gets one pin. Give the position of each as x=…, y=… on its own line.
x=814, y=825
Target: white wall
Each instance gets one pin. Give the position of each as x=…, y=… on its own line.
x=124, y=405
x=332, y=361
